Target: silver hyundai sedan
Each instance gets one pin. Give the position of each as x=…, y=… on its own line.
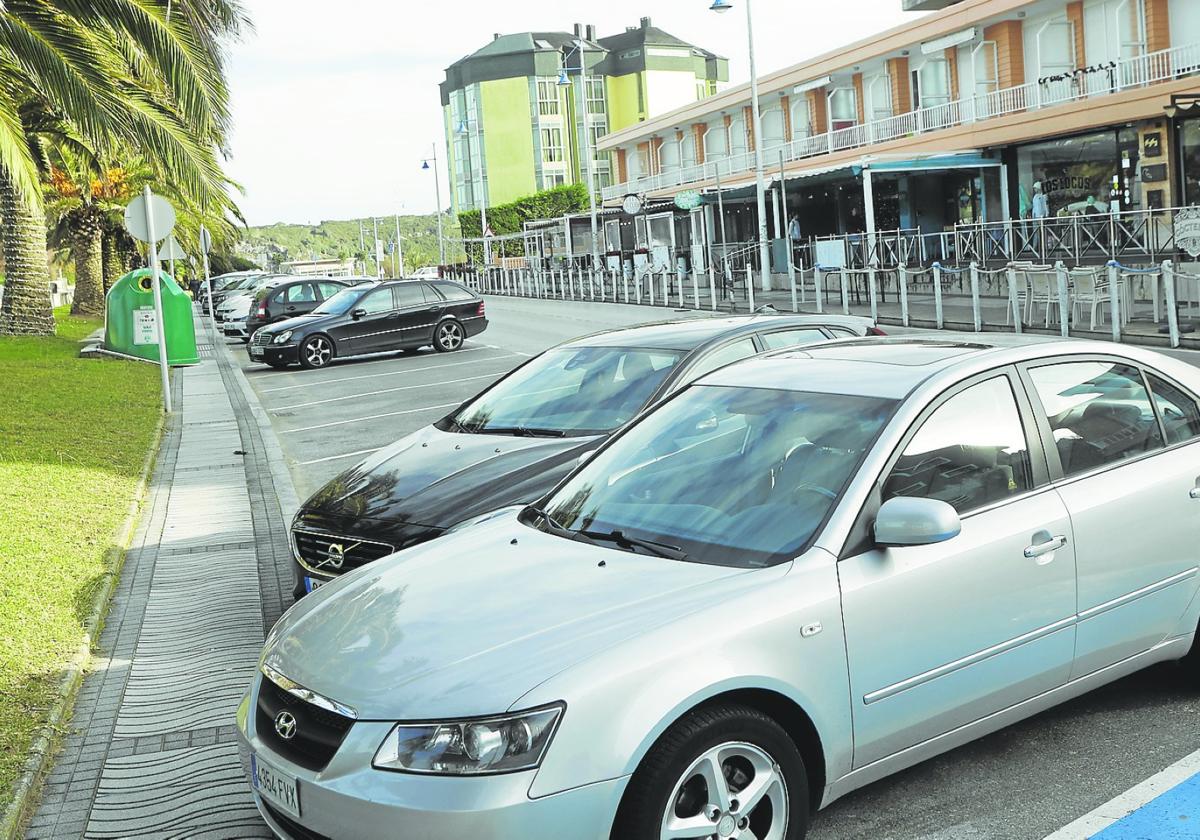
x=800, y=574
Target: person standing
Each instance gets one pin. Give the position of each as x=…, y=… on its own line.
x=796, y=240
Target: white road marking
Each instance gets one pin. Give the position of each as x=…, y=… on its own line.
x=1124, y=804
x=389, y=373
x=283, y=408
x=372, y=417
x=339, y=457
x=510, y=350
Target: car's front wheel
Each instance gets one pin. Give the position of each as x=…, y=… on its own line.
x=316, y=352
x=726, y=771
x=448, y=336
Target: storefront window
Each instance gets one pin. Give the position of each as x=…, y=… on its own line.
x=1084, y=175
x=1189, y=157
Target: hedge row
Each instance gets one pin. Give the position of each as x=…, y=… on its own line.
x=511, y=218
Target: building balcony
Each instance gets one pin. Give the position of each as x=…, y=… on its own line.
x=1089, y=84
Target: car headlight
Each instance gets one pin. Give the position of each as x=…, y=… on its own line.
x=283, y=337
x=483, y=517
x=470, y=747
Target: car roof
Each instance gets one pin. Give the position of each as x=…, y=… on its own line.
x=893, y=367
x=692, y=333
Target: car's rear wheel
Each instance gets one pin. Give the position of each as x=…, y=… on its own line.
x=448, y=336
x=726, y=771
x=316, y=352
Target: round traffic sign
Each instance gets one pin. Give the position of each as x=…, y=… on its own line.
x=160, y=210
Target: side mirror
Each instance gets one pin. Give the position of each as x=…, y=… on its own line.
x=908, y=521
x=358, y=313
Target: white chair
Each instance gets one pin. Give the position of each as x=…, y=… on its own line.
x=1089, y=290
x=1042, y=285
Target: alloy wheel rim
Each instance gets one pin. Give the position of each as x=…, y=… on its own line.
x=318, y=352
x=450, y=336
x=733, y=791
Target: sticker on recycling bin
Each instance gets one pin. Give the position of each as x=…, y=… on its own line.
x=145, y=327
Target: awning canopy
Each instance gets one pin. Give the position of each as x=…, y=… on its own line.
x=921, y=163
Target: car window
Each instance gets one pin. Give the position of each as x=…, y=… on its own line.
x=377, y=301
x=842, y=332
x=573, y=390
x=971, y=452
x=1180, y=414
x=328, y=290
x=743, y=348
x=728, y=475
x=790, y=338
x=301, y=293
x=409, y=294
x=1099, y=413
x=453, y=291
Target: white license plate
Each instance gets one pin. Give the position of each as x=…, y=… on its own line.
x=312, y=583
x=278, y=788
x=256, y=352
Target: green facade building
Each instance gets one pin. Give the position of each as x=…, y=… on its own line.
x=512, y=129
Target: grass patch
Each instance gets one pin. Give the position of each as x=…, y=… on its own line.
x=73, y=438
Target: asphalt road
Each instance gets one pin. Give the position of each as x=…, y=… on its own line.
x=1021, y=783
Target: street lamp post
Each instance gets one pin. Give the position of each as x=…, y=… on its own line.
x=483, y=222
x=437, y=186
x=764, y=256
x=564, y=81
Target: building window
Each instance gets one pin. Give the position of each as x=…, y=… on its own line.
x=843, y=109
x=547, y=98
x=599, y=129
x=597, y=103
x=552, y=145
x=1082, y=175
x=1189, y=158
x=553, y=179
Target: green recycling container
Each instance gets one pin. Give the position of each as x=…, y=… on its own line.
x=130, y=327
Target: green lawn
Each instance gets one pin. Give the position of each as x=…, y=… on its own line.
x=74, y=434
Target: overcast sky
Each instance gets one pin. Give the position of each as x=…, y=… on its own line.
x=336, y=104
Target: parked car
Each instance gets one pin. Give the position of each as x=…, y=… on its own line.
x=801, y=574
x=429, y=272
x=236, y=329
x=228, y=289
x=290, y=299
x=515, y=440
x=237, y=304
x=374, y=318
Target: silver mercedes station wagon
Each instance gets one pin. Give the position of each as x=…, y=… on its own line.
x=802, y=573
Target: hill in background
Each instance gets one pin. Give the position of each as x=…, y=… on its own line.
x=270, y=245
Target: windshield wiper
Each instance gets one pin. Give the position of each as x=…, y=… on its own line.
x=551, y=525
x=522, y=431
x=623, y=540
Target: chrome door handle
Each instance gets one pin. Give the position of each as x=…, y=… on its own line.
x=1043, y=548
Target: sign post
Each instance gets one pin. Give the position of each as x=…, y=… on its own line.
x=148, y=218
x=205, y=247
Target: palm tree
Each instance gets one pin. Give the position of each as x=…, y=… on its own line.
x=115, y=71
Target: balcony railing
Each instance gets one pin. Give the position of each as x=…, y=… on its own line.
x=1135, y=72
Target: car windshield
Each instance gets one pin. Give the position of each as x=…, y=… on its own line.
x=569, y=391
x=721, y=475
x=340, y=303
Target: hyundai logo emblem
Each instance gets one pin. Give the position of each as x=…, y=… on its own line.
x=285, y=725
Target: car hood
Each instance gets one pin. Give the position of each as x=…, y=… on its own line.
x=306, y=320
x=469, y=623
x=438, y=479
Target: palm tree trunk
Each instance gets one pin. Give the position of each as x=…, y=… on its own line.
x=87, y=249
x=26, y=307
x=114, y=266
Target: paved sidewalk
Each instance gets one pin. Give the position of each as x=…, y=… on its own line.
x=152, y=747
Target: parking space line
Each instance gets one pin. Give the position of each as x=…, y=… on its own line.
x=1124, y=810
x=372, y=417
x=387, y=391
x=339, y=457
x=389, y=373
x=510, y=351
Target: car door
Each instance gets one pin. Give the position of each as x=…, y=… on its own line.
x=297, y=299
x=367, y=323
x=938, y=636
x=416, y=313
x=1131, y=497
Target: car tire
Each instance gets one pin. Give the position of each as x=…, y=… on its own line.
x=448, y=336
x=316, y=352
x=669, y=785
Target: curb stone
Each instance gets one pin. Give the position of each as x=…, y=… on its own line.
x=27, y=787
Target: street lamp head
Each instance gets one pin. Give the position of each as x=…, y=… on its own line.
x=424, y=164
x=563, y=79
x=721, y=6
